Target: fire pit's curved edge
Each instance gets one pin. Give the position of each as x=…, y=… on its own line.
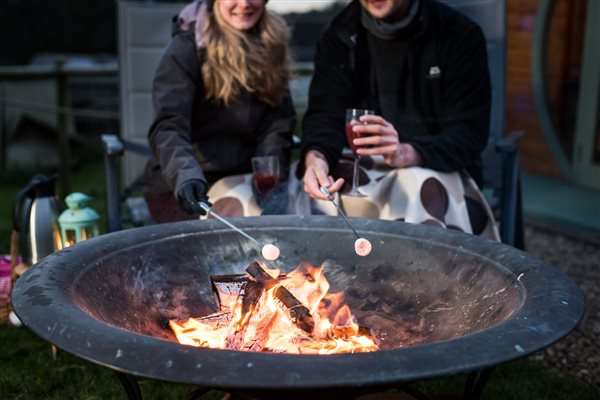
x=553, y=307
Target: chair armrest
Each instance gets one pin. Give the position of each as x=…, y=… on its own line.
x=141, y=149
x=510, y=143
x=112, y=144
x=114, y=148
x=511, y=224
x=113, y=151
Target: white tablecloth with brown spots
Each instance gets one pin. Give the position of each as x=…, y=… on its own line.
x=415, y=195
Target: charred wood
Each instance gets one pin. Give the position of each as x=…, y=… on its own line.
x=226, y=289
x=258, y=341
x=216, y=320
x=246, y=304
x=298, y=313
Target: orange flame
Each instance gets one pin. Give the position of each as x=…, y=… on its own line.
x=266, y=326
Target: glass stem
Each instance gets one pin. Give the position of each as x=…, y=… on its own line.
x=355, y=174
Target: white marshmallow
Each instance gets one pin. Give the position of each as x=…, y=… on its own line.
x=270, y=252
x=362, y=247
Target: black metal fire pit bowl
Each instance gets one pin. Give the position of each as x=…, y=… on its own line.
x=442, y=302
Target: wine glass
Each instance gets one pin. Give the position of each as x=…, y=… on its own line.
x=265, y=173
x=352, y=118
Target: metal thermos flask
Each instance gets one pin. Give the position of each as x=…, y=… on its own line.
x=35, y=218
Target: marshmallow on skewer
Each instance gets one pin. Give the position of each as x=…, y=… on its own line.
x=270, y=252
x=362, y=247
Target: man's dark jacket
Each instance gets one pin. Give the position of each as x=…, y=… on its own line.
x=447, y=94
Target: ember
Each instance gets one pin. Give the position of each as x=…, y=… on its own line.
x=264, y=310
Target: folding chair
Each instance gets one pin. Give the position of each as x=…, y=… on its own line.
x=501, y=157
x=144, y=32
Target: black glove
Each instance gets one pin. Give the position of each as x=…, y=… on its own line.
x=274, y=202
x=193, y=191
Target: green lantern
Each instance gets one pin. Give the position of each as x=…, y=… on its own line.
x=78, y=222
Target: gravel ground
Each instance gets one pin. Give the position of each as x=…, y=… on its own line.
x=579, y=352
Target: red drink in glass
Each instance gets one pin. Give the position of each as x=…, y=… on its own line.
x=265, y=173
x=350, y=135
x=264, y=183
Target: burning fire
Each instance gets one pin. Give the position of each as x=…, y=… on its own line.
x=265, y=310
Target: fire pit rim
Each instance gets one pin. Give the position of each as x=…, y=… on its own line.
x=285, y=371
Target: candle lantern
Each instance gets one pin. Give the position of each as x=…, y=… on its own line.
x=79, y=222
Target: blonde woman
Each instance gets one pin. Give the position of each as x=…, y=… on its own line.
x=221, y=97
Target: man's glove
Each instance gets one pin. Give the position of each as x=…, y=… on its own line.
x=193, y=191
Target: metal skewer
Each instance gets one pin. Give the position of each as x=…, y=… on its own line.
x=330, y=198
x=206, y=208
x=269, y=252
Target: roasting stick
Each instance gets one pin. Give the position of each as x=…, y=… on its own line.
x=268, y=251
x=362, y=246
x=330, y=198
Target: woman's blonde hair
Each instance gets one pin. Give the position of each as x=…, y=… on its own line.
x=255, y=61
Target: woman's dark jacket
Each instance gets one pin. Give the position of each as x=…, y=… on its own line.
x=446, y=88
x=195, y=138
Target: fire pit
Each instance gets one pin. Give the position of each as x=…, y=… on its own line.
x=442, y=303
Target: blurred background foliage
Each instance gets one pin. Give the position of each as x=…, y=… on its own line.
x=28, y=28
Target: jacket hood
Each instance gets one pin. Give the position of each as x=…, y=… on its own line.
x=192, y=18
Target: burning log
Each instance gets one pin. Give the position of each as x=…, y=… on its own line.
x=245, y=306
x=258, y=341
x=199, y=331
x=252, y=308
x=218, y=319
x=298, y=313
x=214, y=321
x=226, y=289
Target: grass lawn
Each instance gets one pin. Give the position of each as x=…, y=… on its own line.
x=29, y=372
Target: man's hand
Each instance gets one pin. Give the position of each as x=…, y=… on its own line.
x=191, y=193
x=383, y=139
x=317, y=174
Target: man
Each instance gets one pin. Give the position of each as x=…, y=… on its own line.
x=423, y=68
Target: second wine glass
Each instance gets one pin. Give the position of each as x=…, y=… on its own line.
x=353, y=118
x=265, y=173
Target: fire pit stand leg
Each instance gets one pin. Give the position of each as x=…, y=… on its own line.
x=130, y=385
x=413, y=392
x=196, y=393
x=475, y=384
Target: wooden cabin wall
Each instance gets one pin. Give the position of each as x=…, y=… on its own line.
x=564, y=48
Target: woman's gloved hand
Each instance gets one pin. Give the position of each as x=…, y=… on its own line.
x=191, y=193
